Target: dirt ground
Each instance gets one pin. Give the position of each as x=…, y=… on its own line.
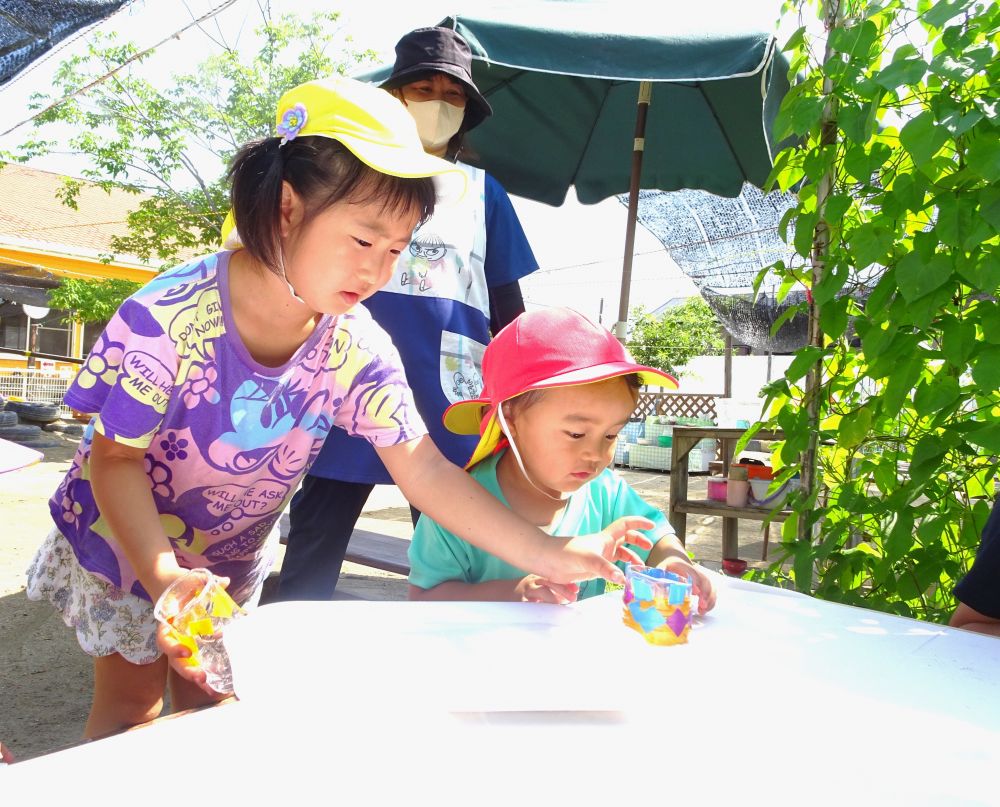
x=45, y=679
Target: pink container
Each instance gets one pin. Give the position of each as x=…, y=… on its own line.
x=737, y=493
x=717, y=490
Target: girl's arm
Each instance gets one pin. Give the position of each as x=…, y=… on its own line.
x=121, y=489
x=454, y=500
x=523, y=589
x=667, y=547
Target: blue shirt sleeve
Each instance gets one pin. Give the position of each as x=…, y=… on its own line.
x=508, y=253
x=980, y=588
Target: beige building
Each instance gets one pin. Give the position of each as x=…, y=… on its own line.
x=42, y=241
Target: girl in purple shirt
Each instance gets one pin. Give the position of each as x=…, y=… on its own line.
x=215, y=385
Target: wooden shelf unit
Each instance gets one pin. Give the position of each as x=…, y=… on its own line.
x=685, y=438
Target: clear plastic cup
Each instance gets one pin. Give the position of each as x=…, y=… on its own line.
x=196, y=608
x=658, y=604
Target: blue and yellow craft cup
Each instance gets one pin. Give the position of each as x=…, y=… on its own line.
x=657, y=604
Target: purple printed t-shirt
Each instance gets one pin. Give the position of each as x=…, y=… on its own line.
x=226, y=439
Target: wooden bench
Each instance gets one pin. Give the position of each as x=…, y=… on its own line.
x=367, y=548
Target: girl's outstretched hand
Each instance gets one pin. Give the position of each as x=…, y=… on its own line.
x=5, y=755
x=594, y=555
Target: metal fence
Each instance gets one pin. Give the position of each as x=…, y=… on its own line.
x=37, y=385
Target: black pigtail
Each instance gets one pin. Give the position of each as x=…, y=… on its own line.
x=256, y=174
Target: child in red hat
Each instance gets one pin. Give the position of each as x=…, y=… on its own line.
x=558, y=389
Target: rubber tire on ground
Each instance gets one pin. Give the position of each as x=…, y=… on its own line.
x=7, y=419
x=65, y=427
x=21, y=433
x=35, y=411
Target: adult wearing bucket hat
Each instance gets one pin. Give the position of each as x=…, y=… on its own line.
x=456, y=282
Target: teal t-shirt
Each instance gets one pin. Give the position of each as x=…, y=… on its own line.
x=437, y=555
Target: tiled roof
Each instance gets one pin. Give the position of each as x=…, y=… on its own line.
x=31, y=211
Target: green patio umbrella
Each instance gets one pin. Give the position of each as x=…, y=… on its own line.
x=611, y=97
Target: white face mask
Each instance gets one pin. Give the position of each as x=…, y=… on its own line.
x=437, y=121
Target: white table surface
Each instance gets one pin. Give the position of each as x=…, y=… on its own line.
x=777, y=698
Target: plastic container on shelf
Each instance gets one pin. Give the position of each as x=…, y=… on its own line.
x=756, y=471
x=737, y=493
x=717, y=489
x=665, y=440
x=655, y=430
x=759, y=496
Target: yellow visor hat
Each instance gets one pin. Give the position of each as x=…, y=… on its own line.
x=373, y=125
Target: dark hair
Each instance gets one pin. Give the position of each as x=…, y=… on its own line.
x=532, y=396
x=322, y=172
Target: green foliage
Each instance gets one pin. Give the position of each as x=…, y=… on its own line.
x=91, y=300
x=174, y=141
x=898, y=179
x=670, y=341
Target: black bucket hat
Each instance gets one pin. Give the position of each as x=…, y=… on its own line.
x=439, y=50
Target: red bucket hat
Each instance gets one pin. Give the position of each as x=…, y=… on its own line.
x=554, y=347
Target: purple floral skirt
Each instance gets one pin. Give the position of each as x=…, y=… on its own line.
x=106, y=619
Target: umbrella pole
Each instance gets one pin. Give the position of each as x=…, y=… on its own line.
x=645, y=96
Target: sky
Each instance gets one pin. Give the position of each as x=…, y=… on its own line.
x=579, y=247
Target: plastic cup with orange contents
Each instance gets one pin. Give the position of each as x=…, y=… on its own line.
x=197, y=608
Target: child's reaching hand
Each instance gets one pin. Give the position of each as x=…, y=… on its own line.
x=5, y=755
x=533, y=588
x=701, y=582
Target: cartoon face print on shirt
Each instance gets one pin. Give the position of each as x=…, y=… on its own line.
x=428, y=251
x=466, y=385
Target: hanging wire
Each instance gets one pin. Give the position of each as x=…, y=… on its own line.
x=206, y=16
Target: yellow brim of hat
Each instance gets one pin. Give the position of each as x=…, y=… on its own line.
x=488, y=442
x=465, y=417
x=450, y=181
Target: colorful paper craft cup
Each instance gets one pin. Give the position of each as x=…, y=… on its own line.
x=196, y=608
x=657, y=604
